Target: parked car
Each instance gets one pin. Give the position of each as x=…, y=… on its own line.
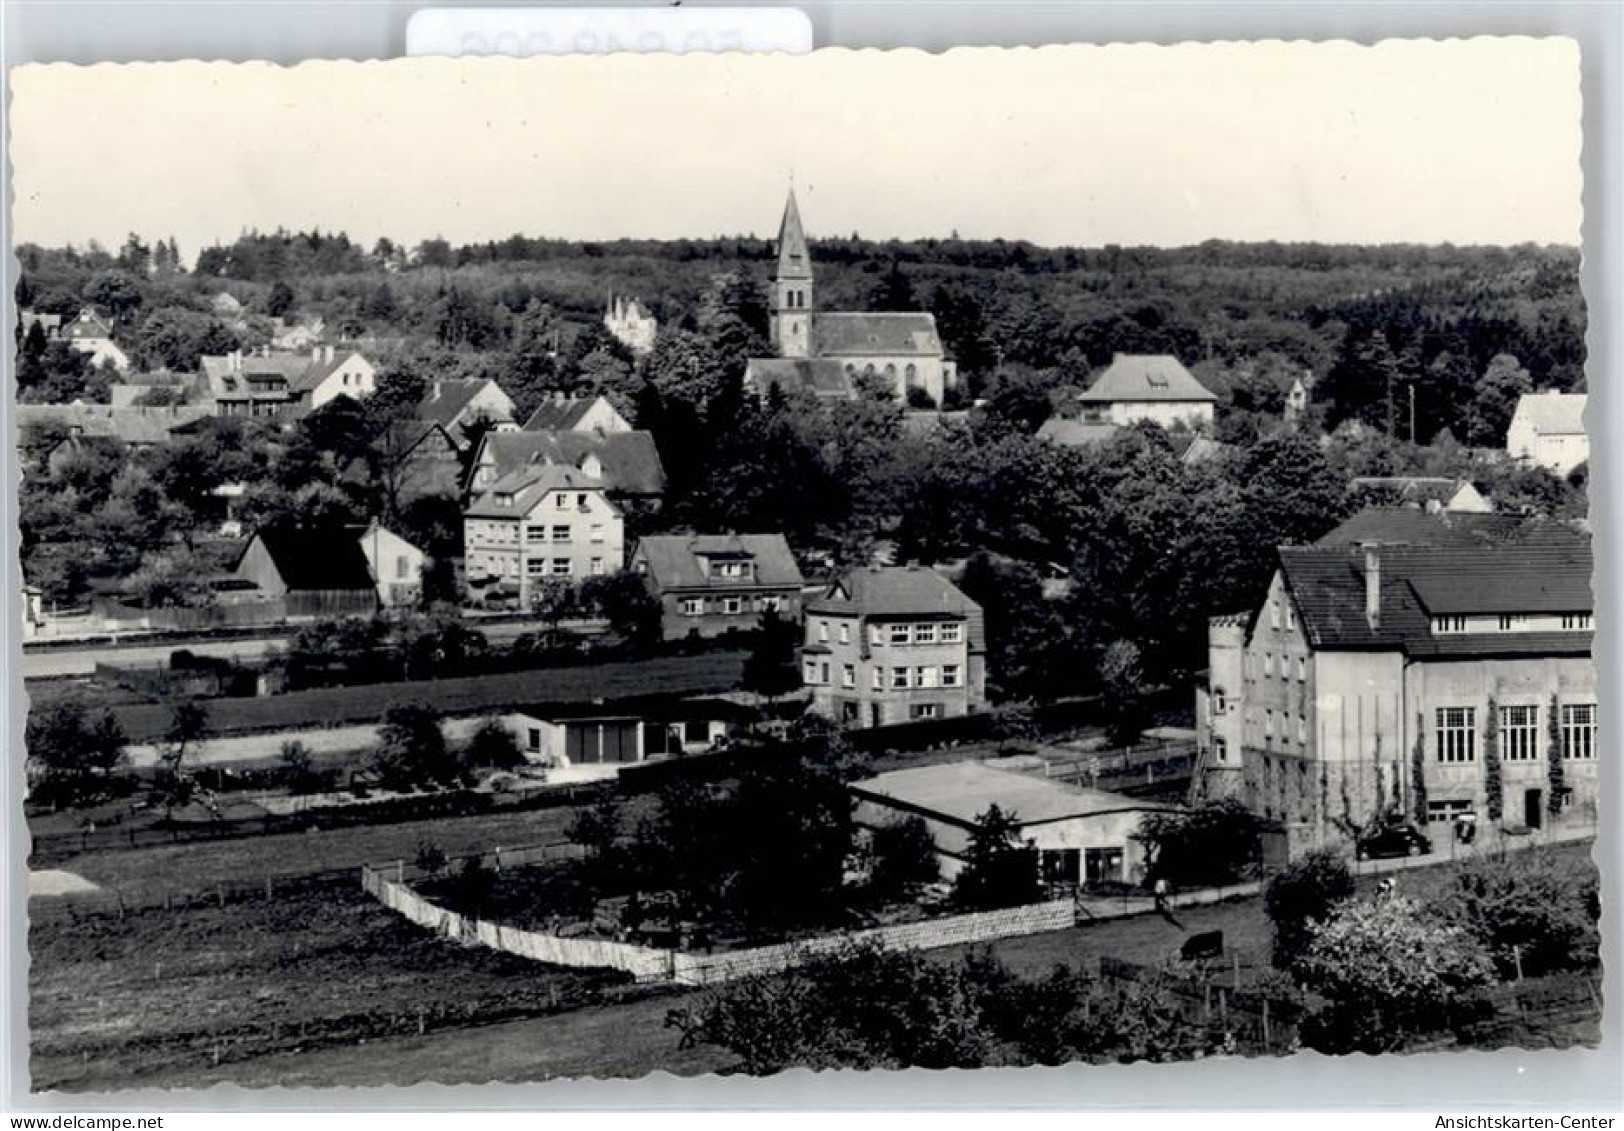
x=1394, y=840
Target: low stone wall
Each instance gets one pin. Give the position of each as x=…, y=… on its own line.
x=649, y=964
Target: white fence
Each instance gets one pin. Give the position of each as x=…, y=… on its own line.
x=650, y=964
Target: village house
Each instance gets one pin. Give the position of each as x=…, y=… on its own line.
x=395, y=564
x=577, y=735
x=78, y=427
x=1548, y=430
x=1083, y=837
x=134, y=390
x=540, y=522
x=1414, y=526
x=894, y=644
x=1458, y=496
x=50, y=325
x=463, y=407
x=1153, y=387
x=902, y=351
x=631, y=325
x=92, y=335
x=564, y=413
x=1447, y=681
x=627, y=462
x=308, y=573
x=284, y=384
x=713, y=584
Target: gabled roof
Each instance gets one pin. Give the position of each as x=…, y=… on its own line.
x=823, y=377
x=316, y=558
x=135, y=425
x=529, y=486
x=444, y=399
x=900, y=591
x=1145, y=377
x=561, y=415
x=89, y=324
x=1413, y=526
x=674, y=559
x=794, y=260
x=1552, y=413
x=1069, y=433
x=1418, y=583
x=1204, y=448
x=867, y=335
x=318, y=370
x=630, y=461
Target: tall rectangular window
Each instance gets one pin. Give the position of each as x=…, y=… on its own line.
x=879, y=678
x=1457, y=734
x=1519, y=734
x=848, y=675
x=845, y=633
x=1578, y=730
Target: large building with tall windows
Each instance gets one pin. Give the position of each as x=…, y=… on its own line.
x=832, y=353
x=546, y=521
x=1429, y=681
x=894, y=644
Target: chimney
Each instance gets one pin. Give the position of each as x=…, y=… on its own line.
x=436, y=387
x=1373, y=583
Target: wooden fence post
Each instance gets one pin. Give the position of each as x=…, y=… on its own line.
x=1267, y=1043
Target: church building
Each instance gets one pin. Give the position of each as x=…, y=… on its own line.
x=829, y=352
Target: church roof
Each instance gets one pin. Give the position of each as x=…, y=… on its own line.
x=794, y=261
x=822, y=377
x=869, y=335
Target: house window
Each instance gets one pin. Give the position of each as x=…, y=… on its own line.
x=924, y=634
x=809, y=671
x=563, y=567
x=952, y=633
x=950, y=675
x=848, y=675
x=845, y=633
x=771, y=604
x=1302, y=730
x=535, y=738
x=732, y=606
x=403, y=567
x=879, y=679
x=1302, y=669
x=1457, y=734
x=1580, y=621
x=1220, y=704
x=1291, y=617
x=597, y=567
x=561, y=534
x=1578, y=730
x=925, y=711
x=693, y=606
x=926, y=677
x=823, y=632
x=1268, y=724
x=563, y=502
x=823, y=672
x=876, y=634
x=535, y=567
x=1510, y=622
x=1274, y=614
x=1519, y=733
x=1448, y=624
x=899, y=634
x=597, y=532
x=580, y=501
x=1220, y=750
x=899, y=677
x=1268, y=663
x=730, y=569
x=536, y=533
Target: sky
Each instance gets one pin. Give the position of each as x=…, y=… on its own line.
x=1474, y=141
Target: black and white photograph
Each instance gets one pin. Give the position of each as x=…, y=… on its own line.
x=543, y=569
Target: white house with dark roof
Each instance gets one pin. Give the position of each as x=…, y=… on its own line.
x=563, y=413
x=628, y=463
x=1548, y=430
x=713, y=584
x=903, y=350
x=275, y=384
x=540, y=522
x=1437, y=681
x=1153, y=387
x=92, y=335
x=894, y=644
x=459, y=404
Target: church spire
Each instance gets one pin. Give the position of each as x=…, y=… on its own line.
x=794, y=262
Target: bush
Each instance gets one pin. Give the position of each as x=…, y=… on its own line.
x=1210, y=845
x=903, y=858
x=1526, y=907
x=1302, y=896
x=493, y=746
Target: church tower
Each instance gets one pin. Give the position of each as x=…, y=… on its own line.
x=792, y=288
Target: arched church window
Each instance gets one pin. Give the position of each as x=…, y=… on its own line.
x=890, y=369
x=911, y=373
x=868, y=370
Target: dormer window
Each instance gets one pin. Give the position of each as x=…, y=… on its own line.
x=1448, y=624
